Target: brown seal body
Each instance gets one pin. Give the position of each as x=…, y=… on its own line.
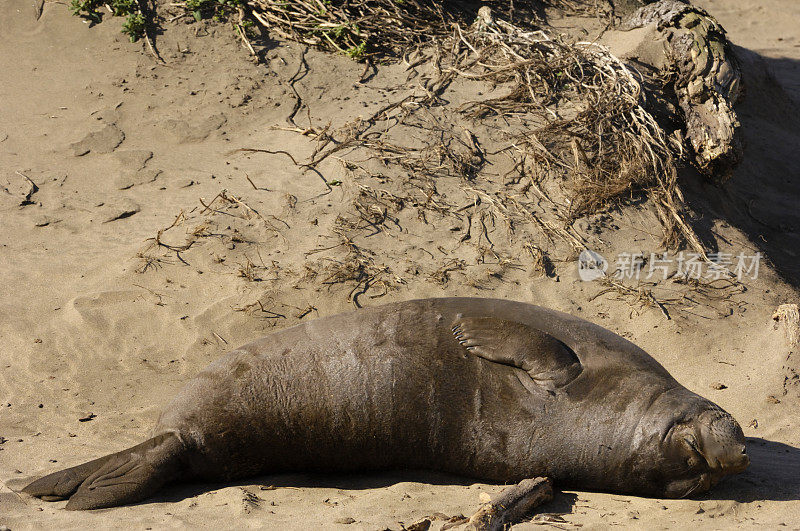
x=484, y=388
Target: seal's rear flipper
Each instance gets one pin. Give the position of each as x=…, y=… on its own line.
x=124, y=477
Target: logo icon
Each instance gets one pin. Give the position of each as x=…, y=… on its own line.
x=591, y=265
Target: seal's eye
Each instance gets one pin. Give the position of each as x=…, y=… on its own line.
x=696, y=458
x=692, y=442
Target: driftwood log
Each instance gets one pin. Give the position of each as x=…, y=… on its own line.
x=707, y=81
x=789, y=316
x=512, y=505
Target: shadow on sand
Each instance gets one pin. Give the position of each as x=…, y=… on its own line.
x=774, y=475
x=761, y=198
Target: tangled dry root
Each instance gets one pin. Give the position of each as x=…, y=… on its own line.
x=391, y=28
x=571, y=112
x=360, y=27
x=607, y=147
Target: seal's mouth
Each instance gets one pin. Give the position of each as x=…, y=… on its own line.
x=730, y=464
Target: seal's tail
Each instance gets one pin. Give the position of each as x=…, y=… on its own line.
x=117, y=479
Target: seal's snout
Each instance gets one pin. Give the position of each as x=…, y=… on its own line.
x=737, y=462
x=722, y=442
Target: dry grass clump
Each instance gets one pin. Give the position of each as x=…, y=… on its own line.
x=391, y=28
x=569, y=111
x=357, y=268
x=572, y=111
x=436, y=191
x=388, y=28
x=361, y=28
x=583, y=112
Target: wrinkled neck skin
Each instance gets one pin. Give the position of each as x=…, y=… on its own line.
x=614, y=445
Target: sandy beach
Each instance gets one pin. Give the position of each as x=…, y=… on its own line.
x=149, y=246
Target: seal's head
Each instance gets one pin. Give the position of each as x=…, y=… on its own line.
x=686, y=445
x=711, y=445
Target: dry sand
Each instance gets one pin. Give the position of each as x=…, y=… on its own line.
x=99, y=323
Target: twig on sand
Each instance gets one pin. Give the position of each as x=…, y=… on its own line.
x=240, y=27
x=268, y=151
x=32, y=188
x=639, y=294
x=160, y=298
x=304, y=167
x=150, y=45
x=298, y=103
x=230, y=198
x=251, y=182
x=512, y=505
x=38, y=7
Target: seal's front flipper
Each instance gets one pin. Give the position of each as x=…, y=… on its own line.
x=549, y=362
x=124, y=477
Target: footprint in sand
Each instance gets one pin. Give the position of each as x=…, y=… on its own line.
x=181, y=131
x=120, y=209
x=105, y=140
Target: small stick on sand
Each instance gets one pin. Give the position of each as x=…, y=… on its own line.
x=144, y=11
x=38, y=7
x=240, y=27
x=250, y=181
x=512, y=505
x=32, y=188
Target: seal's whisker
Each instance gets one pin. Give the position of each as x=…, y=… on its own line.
x=693, y=489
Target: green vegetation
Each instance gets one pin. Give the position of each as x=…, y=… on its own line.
x=216, y=9
x=361, y=29
x=134, y=24
x=357, y=51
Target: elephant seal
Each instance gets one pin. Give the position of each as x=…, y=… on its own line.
x=485, y=388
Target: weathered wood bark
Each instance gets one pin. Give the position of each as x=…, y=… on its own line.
x=512, y=505
x=707, y=81
x=787, y=316
x=624, y=8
